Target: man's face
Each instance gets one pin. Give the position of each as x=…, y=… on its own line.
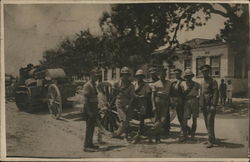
x=205, y=73
x=153, y=75
x=95, y=77
x=163, y=74
x=125, y=77
x=188, y=78
x=139, y=78
x=177, y=75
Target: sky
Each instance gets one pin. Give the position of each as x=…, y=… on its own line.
x=31, y=29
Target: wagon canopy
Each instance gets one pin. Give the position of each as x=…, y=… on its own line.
x=55, y=73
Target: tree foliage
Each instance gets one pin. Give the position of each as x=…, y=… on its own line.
x=131, y=32
x=159, y=23
x=76, y=56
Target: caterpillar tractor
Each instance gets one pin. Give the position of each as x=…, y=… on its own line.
x=39, y=86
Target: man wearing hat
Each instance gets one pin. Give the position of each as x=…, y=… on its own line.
x=153, y=73
x=160, y=103
x=208, y=102
x=176, y=94
x=125, y=93
x=90, y=109
x=142, y=94
x=191, y=94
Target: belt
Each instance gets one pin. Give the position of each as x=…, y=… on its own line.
x=162, y=95
x=93, y=100
x=190, y=97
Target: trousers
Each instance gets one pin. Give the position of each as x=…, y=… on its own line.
x=125, y=116
x=178, y=102
x=209, y=118
x=91, y=113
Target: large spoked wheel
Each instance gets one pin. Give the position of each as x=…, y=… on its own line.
x=54, y=101
x=109, y=119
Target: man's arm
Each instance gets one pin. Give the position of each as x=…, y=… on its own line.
x=201, y=98
x=85, y=93
x=215, y=93
x=153, y=97
x=132, y=95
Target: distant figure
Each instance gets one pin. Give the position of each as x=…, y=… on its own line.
x=229, y=92
x=223, y=92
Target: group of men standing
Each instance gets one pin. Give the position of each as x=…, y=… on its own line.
x=185, y=95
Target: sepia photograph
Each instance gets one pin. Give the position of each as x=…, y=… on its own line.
x=126, y=80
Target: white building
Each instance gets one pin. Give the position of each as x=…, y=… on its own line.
x=225, y=64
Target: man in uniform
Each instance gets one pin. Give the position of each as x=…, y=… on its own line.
x=176, y=95
x=90, y=109
x=191, y=93
x=160, y=103
x=142, y=93
x=124, y=91
x=208, y=102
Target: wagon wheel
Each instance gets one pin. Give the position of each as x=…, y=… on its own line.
x=54, y=101
x=108, y=116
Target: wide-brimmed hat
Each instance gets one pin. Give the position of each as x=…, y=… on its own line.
x=140, y=72
x=125, y=70
x=205, y=68
x=188, y=72
x=177, y=70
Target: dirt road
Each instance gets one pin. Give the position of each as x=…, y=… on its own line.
x=38, y=135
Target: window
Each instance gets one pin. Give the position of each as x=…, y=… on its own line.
x=187, y=64
x=113, y=73
x=105, y=77
x=215, y=65
x=199, y=62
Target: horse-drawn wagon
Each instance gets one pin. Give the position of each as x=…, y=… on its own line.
x=39, y=86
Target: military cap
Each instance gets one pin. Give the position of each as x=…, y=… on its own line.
x=153, y=70
x=205, y=67
x=139, y=72
x=188, y=72
x=95, y=72
x=177, y=70
x=125, y=70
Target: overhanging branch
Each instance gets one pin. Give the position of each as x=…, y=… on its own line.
x=213, y=10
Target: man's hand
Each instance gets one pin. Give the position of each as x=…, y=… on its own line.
x=154, y=109
x=127, y=106
x=212, y=107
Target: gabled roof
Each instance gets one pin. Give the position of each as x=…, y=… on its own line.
x=192, y=44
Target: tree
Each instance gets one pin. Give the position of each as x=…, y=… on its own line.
x=77, y=56
x=235, y=32
x=158, y=23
